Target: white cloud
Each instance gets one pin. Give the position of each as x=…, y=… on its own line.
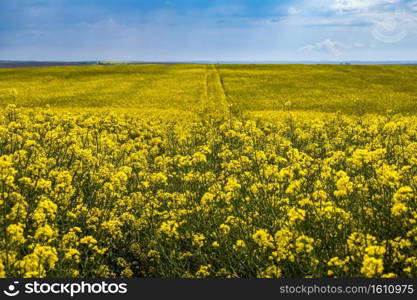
x=396, y=18
x=413, y=6
x=353, y=8
x=329, y=47
x=359, y=5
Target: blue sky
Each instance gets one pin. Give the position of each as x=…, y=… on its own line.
x=184, y=30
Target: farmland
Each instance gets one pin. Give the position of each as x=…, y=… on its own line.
x=208, y=171
x=325, y=88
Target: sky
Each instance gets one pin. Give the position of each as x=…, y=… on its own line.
x=213, y=30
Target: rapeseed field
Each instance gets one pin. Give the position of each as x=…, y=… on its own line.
x=188, y=171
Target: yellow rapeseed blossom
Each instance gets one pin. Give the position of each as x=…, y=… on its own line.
x=16, y=233
x=263, y=239
x=169, y=228
x=198, y=240
x=372, y=267
x=239, y=245
x=269, y=194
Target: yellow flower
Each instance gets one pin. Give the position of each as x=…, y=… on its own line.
x=304, y=244
x=153, y=255
x=271, y=272
x=204, y=271
x=296, y=214
x=263, y=239
x=46, y=209
x=198, y=240
x=113, y=227
x=127, y=273
x=400, y=200
x=343, y=184
x=170, y=229
x=232, y=185
x=88, y=240
x=389, y=275
x=45, y=233
x=375, y=250
x=15, y=233
x=37, y=263
x=2, y=270
x=372, y=266
x=73, y=255
x=239, y=245
x=225, y=229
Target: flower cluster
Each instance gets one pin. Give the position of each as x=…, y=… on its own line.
x=118, y=195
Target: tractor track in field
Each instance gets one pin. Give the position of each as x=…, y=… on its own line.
x=214, y=99
x=220, y=81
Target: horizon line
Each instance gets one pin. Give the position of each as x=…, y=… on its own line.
x=203, y=60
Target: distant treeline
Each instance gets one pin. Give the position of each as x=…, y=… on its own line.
x=25, y=64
